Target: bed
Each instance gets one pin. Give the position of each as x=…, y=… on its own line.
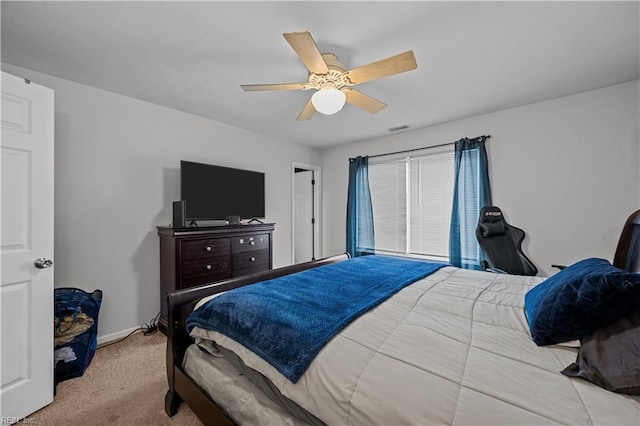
x=452, y=347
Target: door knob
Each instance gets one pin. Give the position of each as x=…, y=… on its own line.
x=42, y=263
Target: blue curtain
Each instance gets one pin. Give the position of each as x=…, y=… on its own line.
x=360, y=239
x=471, y=192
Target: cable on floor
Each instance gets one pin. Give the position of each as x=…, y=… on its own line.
x=147, y=329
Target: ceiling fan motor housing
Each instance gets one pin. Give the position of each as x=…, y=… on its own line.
x=336, y=78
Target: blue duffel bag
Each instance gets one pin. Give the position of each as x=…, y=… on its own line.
x=75, y=330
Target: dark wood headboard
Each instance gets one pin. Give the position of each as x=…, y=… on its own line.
x=628, y=251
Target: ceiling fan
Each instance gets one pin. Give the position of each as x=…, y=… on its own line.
x=334, y=85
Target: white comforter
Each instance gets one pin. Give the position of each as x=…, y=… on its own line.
x=453, y=348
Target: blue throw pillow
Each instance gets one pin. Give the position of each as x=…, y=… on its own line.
x=580, y=299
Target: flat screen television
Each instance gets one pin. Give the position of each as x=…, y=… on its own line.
x=214, y=192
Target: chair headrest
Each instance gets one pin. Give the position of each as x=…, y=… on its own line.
x=491, y=221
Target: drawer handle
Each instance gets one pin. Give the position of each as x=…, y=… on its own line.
x=253, y=259
x=208, y=248
x=208, y=266
x=252, y=243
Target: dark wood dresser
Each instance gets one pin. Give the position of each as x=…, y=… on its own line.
x=195, y=256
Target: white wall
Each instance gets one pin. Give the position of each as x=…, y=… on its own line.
x=565, y=171
x=117, y=165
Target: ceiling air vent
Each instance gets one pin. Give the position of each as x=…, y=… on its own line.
x=397, y=128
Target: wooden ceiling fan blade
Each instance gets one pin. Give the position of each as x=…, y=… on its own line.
x=306, y=48
x=384, y=68
x=365, y=102
x=262, y=87
x=307, y=112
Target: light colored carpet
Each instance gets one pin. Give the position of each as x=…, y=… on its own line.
x=124, y=385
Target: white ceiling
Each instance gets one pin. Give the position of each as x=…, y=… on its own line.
x=473, y=57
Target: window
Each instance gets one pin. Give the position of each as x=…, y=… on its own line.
x=412, y=199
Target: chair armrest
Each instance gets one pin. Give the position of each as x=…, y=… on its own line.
x=487, y=268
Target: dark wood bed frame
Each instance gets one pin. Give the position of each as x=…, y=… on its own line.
x=628, y=251
x=181, y=303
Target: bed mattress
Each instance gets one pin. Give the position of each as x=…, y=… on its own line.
x=452, y=348
x=240, y=398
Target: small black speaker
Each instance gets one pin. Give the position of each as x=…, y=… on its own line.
x=179, y=214
x=233, y=220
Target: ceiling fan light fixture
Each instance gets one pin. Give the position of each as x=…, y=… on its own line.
x=328, y=101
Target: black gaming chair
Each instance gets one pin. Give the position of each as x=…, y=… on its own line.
x=501, y=244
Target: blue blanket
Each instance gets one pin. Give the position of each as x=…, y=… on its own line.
x=288, y=320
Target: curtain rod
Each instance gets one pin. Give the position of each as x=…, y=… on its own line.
x=416, y=149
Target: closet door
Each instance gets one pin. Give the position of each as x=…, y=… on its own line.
x=303, y=211
x=26, y=247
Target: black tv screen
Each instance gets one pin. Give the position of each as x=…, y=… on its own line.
x=215, y=192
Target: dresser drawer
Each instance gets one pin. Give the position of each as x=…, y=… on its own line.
x=203, y=249
x=201, y=271
x=249, y=243
x=249, y=262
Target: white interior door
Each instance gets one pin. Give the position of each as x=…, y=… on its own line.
x=26, y=291
x=303, y=214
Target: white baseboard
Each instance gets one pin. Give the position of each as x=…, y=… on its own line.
x=115, y=336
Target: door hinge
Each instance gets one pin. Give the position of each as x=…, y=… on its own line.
x=313, y=181
x=313, y=220
x=26, y=80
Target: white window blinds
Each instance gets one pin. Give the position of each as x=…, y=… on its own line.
x=388, y=184
x=412, y=200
